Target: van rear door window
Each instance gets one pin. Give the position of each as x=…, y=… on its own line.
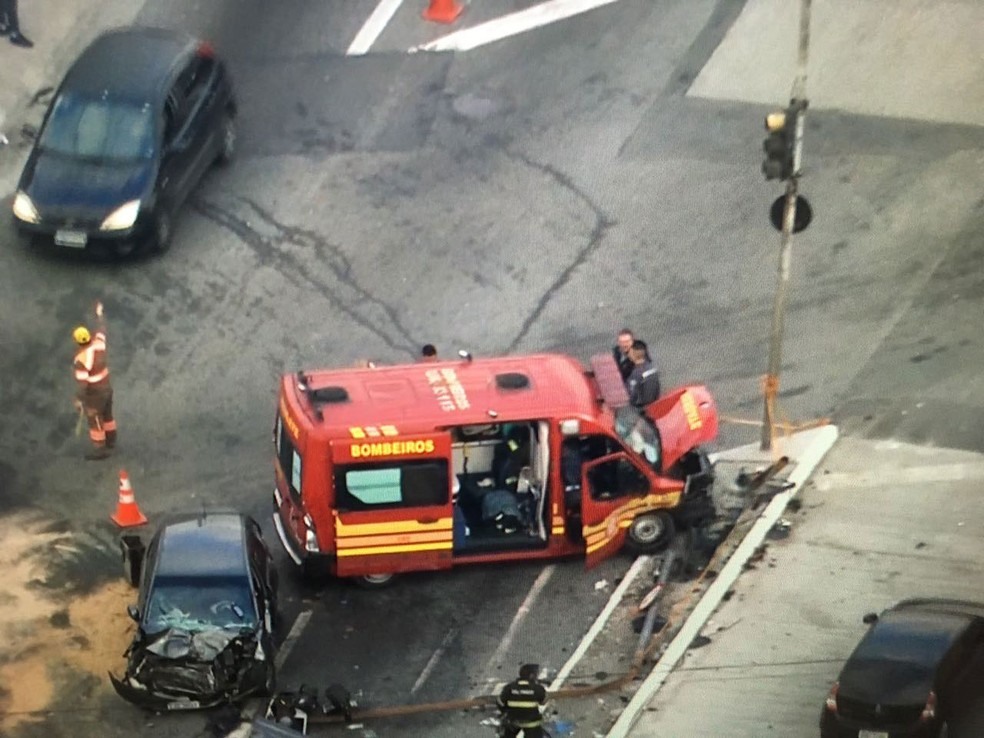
x=374, y=486
x=411, y=484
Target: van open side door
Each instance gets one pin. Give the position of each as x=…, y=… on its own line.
x=612, y=489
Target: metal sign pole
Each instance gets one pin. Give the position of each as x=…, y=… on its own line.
x=798, y=102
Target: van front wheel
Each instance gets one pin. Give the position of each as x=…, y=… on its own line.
x=374, y=581
x=650, y=532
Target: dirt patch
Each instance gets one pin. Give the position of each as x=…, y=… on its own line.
x=45, y=632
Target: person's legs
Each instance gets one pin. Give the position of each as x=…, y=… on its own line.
x=96, y=434
x=109, y=423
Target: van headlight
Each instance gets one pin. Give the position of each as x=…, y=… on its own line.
x=122, y=218
x=24, y=209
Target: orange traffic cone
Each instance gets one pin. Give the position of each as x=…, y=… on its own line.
x=443, y=11
x=127, y=514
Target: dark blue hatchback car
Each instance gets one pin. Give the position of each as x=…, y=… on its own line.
x=138, y=119
x=206, y=614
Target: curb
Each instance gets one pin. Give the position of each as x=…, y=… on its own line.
x=816, y=446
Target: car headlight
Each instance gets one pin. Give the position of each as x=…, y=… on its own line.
x=122, y=218
x=24, y=209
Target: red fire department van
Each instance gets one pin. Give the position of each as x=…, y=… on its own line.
x=430, y=465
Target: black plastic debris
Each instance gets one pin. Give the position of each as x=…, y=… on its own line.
x=699, y=641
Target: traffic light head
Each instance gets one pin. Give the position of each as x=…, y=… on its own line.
x=778, y=145
x=775, y=121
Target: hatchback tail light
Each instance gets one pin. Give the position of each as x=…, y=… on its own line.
x=831, y=703
x=929, y=711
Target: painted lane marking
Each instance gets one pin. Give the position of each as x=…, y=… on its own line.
x=291, y=640
x=375, y=24
x=256, y=707
x=432, y=662
x=599, y=623
x=514, y=626
x=510, y=25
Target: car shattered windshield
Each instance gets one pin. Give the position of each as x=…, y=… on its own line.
x=638, y=433
x=99, y=128
x=199, y=604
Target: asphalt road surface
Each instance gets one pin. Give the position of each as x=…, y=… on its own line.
x=537, y=193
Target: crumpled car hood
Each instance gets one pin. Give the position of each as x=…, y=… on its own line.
x=179, y=644
x=177, y=669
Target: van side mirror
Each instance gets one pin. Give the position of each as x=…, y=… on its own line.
x=133, y=612
x=870, y=618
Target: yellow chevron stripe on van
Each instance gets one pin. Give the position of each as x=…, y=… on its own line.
x=635, y=507
x=343, y=530
x=397, y=539
x=341, y=553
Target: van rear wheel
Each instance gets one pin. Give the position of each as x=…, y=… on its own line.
x=650, y=532
x=374, y=581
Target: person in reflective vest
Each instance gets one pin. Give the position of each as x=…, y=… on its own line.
x=94, y=396
x=521, y=702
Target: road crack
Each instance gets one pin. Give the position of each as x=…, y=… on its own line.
x=601, y=225
x=345, y=293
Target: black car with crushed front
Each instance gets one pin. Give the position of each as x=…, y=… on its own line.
x=205, y=615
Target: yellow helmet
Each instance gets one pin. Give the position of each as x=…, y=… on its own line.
x=81, y=335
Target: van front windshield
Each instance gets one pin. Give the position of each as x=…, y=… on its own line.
x=638, y=433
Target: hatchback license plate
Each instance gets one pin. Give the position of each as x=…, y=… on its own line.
x=184, y=705
x=872, y=734
x=72, y=239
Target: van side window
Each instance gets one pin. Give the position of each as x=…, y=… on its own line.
x=288, y=458
x=410, y=484
x=616, y=478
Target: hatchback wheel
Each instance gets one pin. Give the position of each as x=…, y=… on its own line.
x=228, y=148
x=651, y=532
x=161, y=236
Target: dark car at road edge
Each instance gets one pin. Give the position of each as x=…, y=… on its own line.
x=136, y=122
x=911, y=673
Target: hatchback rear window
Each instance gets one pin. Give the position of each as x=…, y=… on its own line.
x=912, y=639
x=99, y=128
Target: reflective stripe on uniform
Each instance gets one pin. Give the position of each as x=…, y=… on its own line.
x=517, y=703
x=85, y=361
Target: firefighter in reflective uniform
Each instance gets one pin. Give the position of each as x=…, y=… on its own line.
x=521, y=702
x=95, y=394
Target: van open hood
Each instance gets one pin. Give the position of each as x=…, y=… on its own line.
x=686, y=417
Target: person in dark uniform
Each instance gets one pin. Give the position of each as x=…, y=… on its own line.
x=10, y=26
x=620, y=352
x=521, y=702
x=643, y=382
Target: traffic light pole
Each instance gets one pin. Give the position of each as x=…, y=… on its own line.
x=798, y=101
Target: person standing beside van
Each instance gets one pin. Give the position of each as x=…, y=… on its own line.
x=643, y=382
